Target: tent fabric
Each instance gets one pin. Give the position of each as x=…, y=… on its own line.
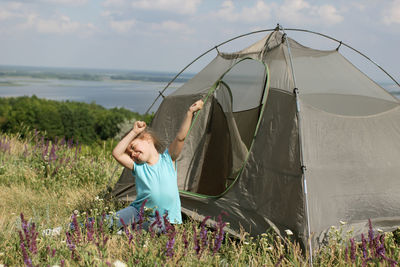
x=243, y=153
x=352, y=174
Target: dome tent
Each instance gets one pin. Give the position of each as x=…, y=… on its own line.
x=290, y=137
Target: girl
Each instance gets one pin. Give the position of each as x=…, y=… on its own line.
x=154, y=171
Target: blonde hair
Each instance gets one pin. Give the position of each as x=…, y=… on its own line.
x=148, y=133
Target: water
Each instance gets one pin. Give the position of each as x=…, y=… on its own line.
x=133, y=95
x=136, y=91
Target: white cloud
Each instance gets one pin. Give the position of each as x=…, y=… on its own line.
x=175, y=6
x=10, y=10
x=391, y=13
x=122, y=26
x=60, y=25
x=20, y=16
x=115, y=3
x=67, y=2
x=5, y=14
x=297, y=12
x=259, y=12
x=171, y=26
x=301, y=12
x=329, y=14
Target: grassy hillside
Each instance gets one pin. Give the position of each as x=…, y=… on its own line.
x=45, y=185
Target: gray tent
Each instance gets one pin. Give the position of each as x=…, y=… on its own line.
x=272, y=155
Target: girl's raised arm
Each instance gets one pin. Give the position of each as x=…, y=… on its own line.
x=175, y=148
x=119, y=152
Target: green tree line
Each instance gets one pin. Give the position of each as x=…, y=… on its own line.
x=84, y=122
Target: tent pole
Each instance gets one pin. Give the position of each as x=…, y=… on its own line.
x=267, y=30
x=348, y=46
x=303, y=167
x=197, y=58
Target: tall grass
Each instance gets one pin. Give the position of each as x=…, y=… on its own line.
x=47, y=185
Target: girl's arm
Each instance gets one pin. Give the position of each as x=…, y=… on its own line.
x=119, y=152
x=175, y=148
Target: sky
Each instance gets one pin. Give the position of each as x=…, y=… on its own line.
x=165, y=35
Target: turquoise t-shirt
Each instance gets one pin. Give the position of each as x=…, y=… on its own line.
x=158, y=184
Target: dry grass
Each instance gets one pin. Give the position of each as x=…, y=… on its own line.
x=47, y=192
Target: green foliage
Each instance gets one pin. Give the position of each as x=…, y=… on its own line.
x=46, y=175
x=87, y=123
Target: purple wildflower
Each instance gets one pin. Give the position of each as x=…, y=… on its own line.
x=203, y=233
x=364, y=262
x=158, y=220
x=101, y=237
x=51, y=252
x=105, y=239
x=30, y=234
x=196, y=241
x=53, y=156
x=133, y=225
x=364, y=246
x=126, y=230
x=45, y=149
x=370, y=234
x=34, y=234
x=76, y=152
x=24, y=225
x=185, y=241
x=5, y=145
x=152, y=229
x=380, y=251
x=170, y=244
x=219, y=237
x=168, y=226
x=76, y=228
x=27, y=260
x=141, y=216
x=62, y=262
x=70, y=143
x=71, y=245
x=89, y=228
x=352, y=250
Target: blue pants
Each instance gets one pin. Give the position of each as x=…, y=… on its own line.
x=131, y=214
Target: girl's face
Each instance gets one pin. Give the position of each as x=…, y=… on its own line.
x=139, y=149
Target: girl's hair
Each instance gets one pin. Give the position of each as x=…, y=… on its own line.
x=156, y=141
x=149, y=133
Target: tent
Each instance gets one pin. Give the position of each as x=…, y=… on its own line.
x=290, y=137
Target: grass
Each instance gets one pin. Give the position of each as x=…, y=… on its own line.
x=44, y=186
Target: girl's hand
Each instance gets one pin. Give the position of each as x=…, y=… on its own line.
x=139, y=126
x=196, y=106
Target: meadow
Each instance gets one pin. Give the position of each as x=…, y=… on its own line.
x=45, y=186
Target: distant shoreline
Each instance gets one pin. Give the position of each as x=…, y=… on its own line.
x=89, y=74
x=100, y=75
